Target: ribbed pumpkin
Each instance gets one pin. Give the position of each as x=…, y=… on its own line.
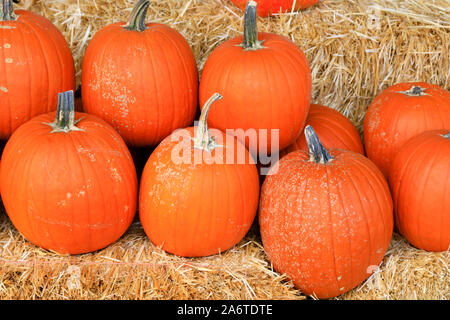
x=68, y=185
x=420, y=182
x=326, y=218
x=269, y=7
x=333, y=128
x=37, y=64
x=265, y=80
x=141, y=78
x=198, y=196
x=398, y=114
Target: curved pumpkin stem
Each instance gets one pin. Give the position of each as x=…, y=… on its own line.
x=251, y=41
x=8, y=10
x=203, y=139
x=317, y=151
x=136, y=22
x=65, y=114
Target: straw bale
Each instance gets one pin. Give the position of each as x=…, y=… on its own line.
x=356, y=48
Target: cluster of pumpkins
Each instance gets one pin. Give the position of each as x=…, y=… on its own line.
x=69, y=184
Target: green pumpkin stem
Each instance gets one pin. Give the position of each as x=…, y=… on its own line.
x=250, y=41
x=8, y=10
x=136, y=22
x=317, y=151
x=203, y=139
x=65, y=114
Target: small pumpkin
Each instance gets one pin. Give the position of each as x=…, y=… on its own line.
x=420, y=182
x=68, y=185
x=141, y=78
x=333, y=128
x=198, y=194
x=325, y=218
x=265, y=80
x=37, y=64
x=270, y=7
x=399, y=113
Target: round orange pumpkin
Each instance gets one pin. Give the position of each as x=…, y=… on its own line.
x=325, y=218
x=420, y=182
x=68, y=185
x=270, y=7
x=37, y=64
x=398, y=114
x=198, y=196
x=265, y=81
x=141, y=78
x=333, y=128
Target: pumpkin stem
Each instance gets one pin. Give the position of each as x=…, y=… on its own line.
x=65, y=114
x=136, y=22
x=251, y=41
x=8, y=10
x=415, y=91
x=447, y=136
x=203, y=139
x=317, y=151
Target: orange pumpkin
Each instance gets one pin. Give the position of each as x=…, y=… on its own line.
x=420, y=182
x=265, y=80
x=398, y=114
x=68, y=185
x=333, y=129
x=270, y=7
x=141, y=78
x=198, y=196
x=37, y=64
x=326, y=218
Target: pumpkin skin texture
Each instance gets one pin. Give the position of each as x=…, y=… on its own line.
x=397, y=115
x=198, y=208
x=37, y=65
x=70, y=192
x=327, y=226
x=420, y=184
x=333, y=128
x=269, y=7
x=143, y=83
x=263, y=88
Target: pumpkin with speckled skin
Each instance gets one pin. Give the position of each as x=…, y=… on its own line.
x=399, y=113
x=327, y=225
x=37, y=64
x=333, y=128
x=270, y=7
x=420, y=182
x=141, y=78
x=70, y=192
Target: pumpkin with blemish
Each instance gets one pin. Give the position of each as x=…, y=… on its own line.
x=141, y=78
x=326, y=218
x=265, y=81
x=271, y=7
x=37, y=64
x=68, y=183
x=333, y=128
x=399, y=113
x=420, y=182
x=199, y=191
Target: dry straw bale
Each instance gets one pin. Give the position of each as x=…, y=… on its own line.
x=356, y=48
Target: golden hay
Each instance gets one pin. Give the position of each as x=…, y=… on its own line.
x=355, y=48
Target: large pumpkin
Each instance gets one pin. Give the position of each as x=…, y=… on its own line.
x=420, y=182
x=198, y=196
x=265, y=81
x=326, y=218
x=269, y=7
x=68, y=185
x=37, y=64
x=141, y=78
x=333, y=128
x=398, y=114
